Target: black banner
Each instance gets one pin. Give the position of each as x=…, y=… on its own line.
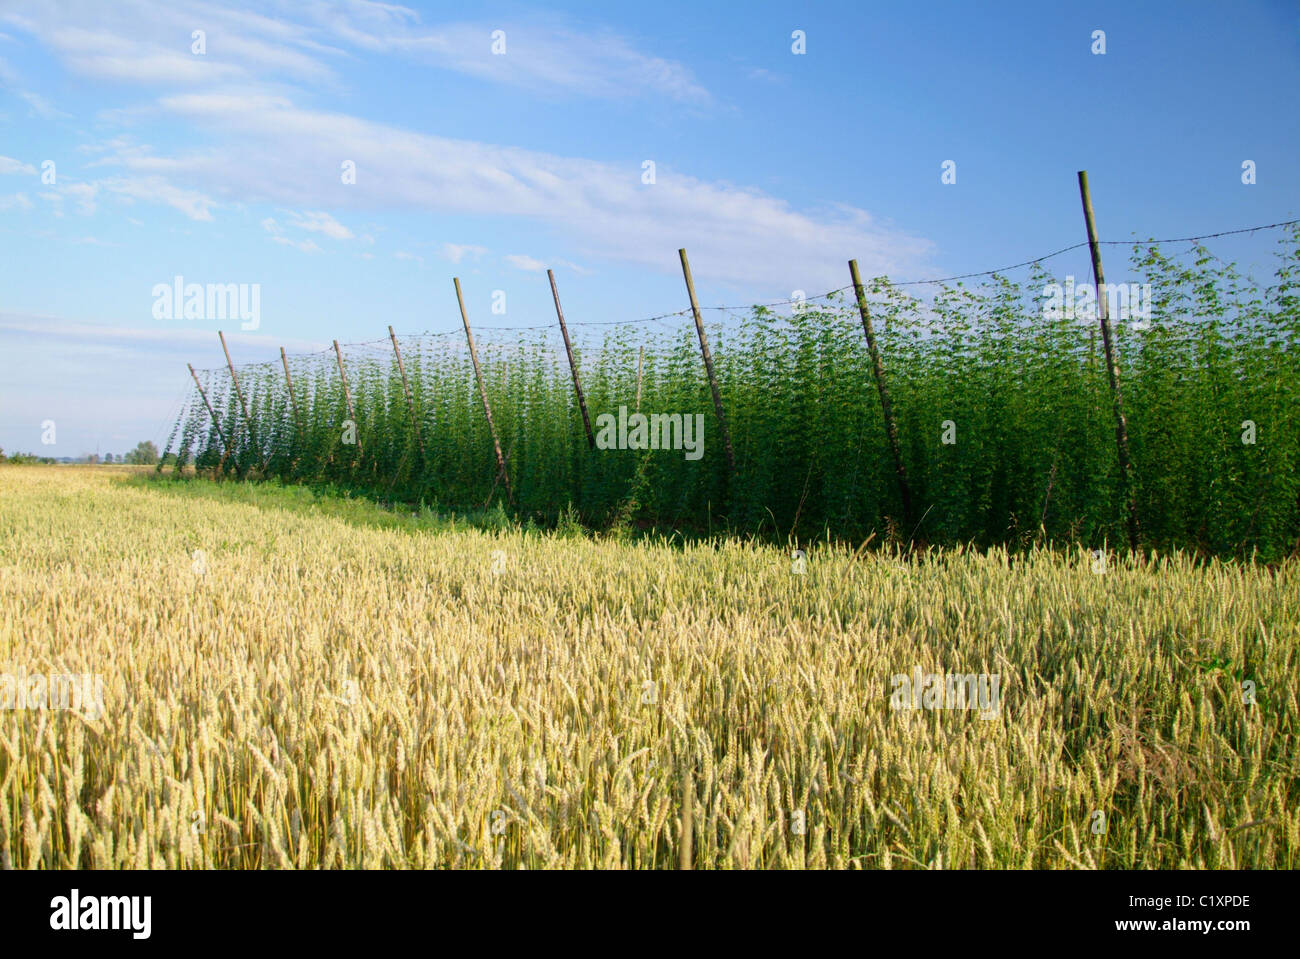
x=1167, y=909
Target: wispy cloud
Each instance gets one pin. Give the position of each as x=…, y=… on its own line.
x=553, y=62
x=524, y=262
x=736, y=234
x=68, y=332
x=9, y=78
x=317, y=221
x=533, y=265
x=576, y=268
x=193, y=203
x=458, y=251
x=136, y=41
x=41, y=106
x=106, y=54
x=84, y=195
x=8, y=165
x=306, y=246
x=314, y=221
x=289, y=154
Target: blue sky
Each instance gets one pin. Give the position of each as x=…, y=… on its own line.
x=772, y=168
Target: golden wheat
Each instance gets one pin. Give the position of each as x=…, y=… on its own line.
x=284, y=689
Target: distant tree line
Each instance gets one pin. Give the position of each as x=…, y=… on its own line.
x=144, y=454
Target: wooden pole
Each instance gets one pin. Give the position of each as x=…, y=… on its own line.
x=573, y=367
x=248, y=423
x=878, y=371
x=1112, y=365
x=410, y=402
x=482, y=390
x=640, y=364
x=708, y=362
x=347, y=394
x=238, y=391
x=215, y=422
x=293, y=402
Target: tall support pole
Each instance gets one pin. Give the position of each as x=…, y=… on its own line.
x=215, y=422
x=347, y=395
x=573, y=367
x=1112, y=365
x=482, y=391
x=708, y=363
x=248, y=423
x=293, y=401
x=886, y=407
x=410, y=402
x=233, y=377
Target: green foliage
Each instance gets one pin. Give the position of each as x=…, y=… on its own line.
x=26, y=459
x=144, y=454
x=1026, y=397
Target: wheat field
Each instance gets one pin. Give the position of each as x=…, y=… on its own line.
x=289, y=688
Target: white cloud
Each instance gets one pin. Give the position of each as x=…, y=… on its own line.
x=458, y=251
x=77, y=332
x=288, y=155
x=524, y=262
x=580, y=270
x=41, y=106
x=315, y=221
x=138, y=41
x=15, y=201
x=318, y=221
x=549, y=61
x=735, y=234
x=11, y=166
x=192, y=203
x=84, y=194
x=306, y=246
x=56, y=203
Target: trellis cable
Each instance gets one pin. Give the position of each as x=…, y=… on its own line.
x=799, y=301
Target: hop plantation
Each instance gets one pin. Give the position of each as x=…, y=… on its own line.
x=339, y=656
x=1003, y=410
x=298, y=681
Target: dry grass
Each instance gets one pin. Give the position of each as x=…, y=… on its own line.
x=330, y=695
